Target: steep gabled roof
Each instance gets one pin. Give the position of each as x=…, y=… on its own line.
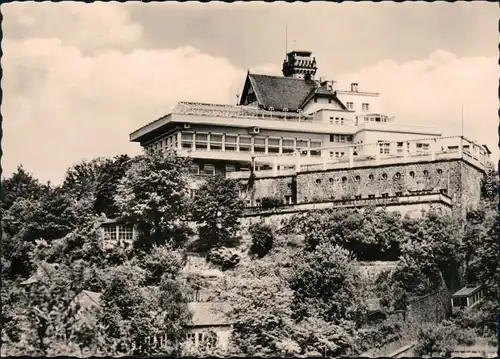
x=323, y=92
x=278, y=92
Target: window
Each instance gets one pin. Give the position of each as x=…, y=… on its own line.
x=273, y=145
x=194, y=169
x=330, y=180
x=426, y=173
x=397, y=175
x=208, y=169
x=230, y=143
x=344, y=179
x=245, y=144
x=259, y=144
x=370, y=177
x=332, y=154
x=440, y=171
x=342, y=121
x=110, y=232
x=400, y=148
x=215, y=142
x=288, y=200
x=422, y=148
x=357, y=196
x=303, y=146
x=384, y=175
x=366, y=107
x=342, y=154
x=315, y=148
x=331, y=120
x=230, y=168
x=399, y=194
x=342, y=139
x=125, y=232
x=201, y=141
x=385, y=195
x=191, y=337
x=460, y=302
x=332, y=138
x=371, y=196
x=318, y=181
x=357, y=178
x=348, y=138
x=287, y=145
x=412, y=174
x=349, y=105
x=187, y=140
x=384, y=147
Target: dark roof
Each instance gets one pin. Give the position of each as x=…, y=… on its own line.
x=322, y=92
x=278, y=92
x=467, y=291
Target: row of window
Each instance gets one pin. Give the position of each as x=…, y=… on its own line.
x=462, y=301
x=341, y=138
x=364, y=106
x=208, y=339
x=397, y=175
x=239, y=143
x=118, y=232
x=385, y=148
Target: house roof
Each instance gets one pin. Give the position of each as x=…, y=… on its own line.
x=467, y=291
x=278, y=92
x=323, y=92
x=88, y=299
x=41, y=273
x=209, y=313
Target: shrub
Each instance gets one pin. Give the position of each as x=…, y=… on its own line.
x=262, y=239
x=223, y=257
x=271, y=202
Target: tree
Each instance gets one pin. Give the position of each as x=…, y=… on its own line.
x=49, y=310
x=324, y=283
x=162, y=261
x=262, y=239
x=217, y=211
x=152, y=195
x=20, y=185
x=97, y=180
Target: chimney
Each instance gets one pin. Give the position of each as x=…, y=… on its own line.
x=354, y=87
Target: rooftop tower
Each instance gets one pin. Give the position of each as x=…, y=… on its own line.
x=299, y=65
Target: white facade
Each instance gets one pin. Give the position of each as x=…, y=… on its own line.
x=361, y=103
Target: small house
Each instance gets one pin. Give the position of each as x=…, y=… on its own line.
x=116, y=232
x=467, y=297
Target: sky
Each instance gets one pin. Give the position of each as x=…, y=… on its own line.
x=79, y=78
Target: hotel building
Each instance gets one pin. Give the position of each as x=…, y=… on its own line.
x=289, y=127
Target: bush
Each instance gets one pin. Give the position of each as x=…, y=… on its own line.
x=223, y=257
x=271, y=202
x=262, y=239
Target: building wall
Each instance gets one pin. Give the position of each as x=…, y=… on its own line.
x=458, y=179
x=358, y=98
x=223, y=333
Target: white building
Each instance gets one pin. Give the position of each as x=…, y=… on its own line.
x=282, y=122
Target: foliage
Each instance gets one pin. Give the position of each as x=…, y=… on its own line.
x=271, y=202
x=443, y=338
x=324, y=283
x=162, y=261
x=262, y=239
x=20, y=185
x=152, y=195
x=48, y=309
x=224, y=257
x=369, y=234
x=97, y=180
x=217, y=211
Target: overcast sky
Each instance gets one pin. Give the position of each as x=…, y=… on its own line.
x=78, y=78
